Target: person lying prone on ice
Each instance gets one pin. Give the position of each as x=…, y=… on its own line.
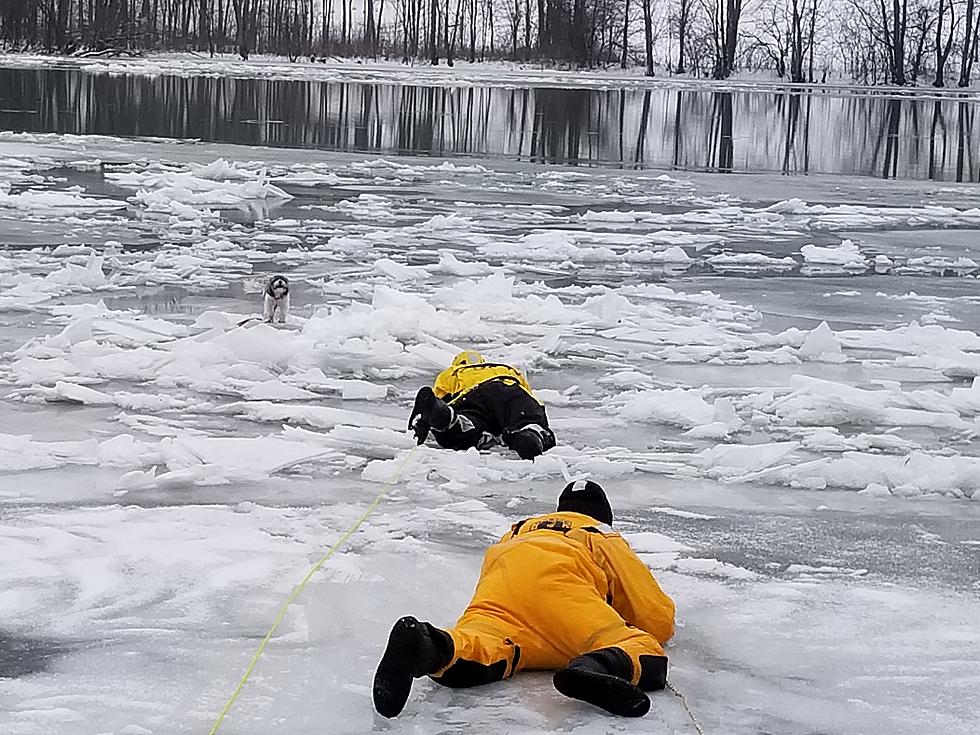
x=560, y=591
x=475, y=403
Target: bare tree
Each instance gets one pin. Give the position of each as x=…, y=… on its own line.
x=803, y=22
x=471, y=13
x=433, y=32
x=527, y=27
x=899, y=31
x=246, y=23
x=724, y=17
x=626, y=34
x=885, y=27
x=970, y=36
x=876, y=41
x=488, y=22
x=370, y=36
x=774, y=37
x=919, y=30
x=648, y=36
x=452, y=34
x=683, y=21
x=943, y=48
x=514, y=16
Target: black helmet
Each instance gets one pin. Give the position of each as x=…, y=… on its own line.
x=588, y=498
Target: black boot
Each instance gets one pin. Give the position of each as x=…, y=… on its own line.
x=529, y=441
x=414, y=649
x=603, y=678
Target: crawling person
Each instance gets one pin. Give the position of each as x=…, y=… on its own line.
x=475, y=403
x=560, y=592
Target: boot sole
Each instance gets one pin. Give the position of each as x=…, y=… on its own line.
x=393, y=679
x=611, y=693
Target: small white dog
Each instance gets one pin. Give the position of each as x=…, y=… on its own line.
x=275, y=306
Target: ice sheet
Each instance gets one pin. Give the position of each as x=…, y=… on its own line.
x=792, y=450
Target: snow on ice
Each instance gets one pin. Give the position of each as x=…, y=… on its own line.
x=799, y=469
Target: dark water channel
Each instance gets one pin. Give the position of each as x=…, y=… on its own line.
x=786, y=131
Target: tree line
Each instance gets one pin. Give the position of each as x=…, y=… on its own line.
x=898, y=42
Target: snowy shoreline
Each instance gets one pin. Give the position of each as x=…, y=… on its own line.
x=462, y=74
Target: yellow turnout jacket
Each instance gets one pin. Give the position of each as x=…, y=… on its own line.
x=572, y=555
x=468, y=370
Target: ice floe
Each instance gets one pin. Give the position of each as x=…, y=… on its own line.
x=846, y=255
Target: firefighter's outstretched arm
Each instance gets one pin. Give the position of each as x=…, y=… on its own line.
x=636, y=596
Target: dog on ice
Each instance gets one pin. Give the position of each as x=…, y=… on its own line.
x=275, y=306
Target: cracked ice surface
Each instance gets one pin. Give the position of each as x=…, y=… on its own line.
x=775, y=382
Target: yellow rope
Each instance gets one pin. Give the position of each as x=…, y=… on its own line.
x=687, y=708
x=299, y=588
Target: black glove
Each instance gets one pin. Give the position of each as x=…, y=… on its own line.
x=418, y=423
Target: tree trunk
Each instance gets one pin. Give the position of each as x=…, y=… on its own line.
x=682, y=18
x=920, y=49
x=811, y=44
x=445, y=37
x=204, y=25
x=731, y=35
x=647, y=36
x=433, y=32
x=243, y=16
x=542, y=31
x=899, y=22
x=515, y=27
x=343, y=25
x=490, y=22
x=455, y=37
x=527, y=29
x=369, y=27
x=969, y=45
x=801, y=40
x=726, y=36
x=626, y=36
x=579, y=42
x=472, y=8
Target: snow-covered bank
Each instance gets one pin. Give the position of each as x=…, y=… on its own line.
x=461, y=74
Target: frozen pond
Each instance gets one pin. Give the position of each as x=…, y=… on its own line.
x=771, y=375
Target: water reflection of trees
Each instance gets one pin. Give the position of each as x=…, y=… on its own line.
x=966, y=164
x=889, y=133
x=722, y=140
x=789, y=131
x=561, y=119
x=795, y=108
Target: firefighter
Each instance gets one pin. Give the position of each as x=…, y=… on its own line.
x=560, y=592
x=475, y=403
